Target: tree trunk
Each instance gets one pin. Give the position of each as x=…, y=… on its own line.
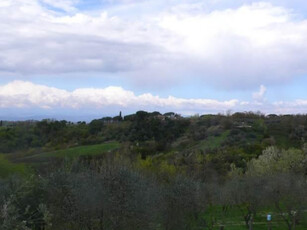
x=250, y=227
x=247, y=220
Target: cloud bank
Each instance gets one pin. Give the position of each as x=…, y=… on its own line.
x=236, y=48
x=23, y=94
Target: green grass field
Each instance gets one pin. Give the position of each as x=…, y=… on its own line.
x=8, y=168
x=20, y=163
x=233, y=220
x=213, y=142
x=33, y=158
x=87, y=150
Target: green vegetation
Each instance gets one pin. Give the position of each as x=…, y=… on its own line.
x=155, y=171
x=8, y=168
x=214, y=142
x=232, y=220
x=88, y=150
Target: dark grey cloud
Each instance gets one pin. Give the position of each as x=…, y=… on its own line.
x=75, y=53
x=241, y=47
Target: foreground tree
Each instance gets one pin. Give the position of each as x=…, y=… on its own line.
x=244, y=193
x=287, y=192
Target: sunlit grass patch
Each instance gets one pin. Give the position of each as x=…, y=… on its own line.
x=8, y=168
x=88, y=150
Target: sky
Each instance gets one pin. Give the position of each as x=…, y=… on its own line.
x=85, y=59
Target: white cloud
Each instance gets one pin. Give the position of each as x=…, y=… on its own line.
x=22, y=94
x=241, y=47
x=290, y=107
x=259, y=96
x=26, y=95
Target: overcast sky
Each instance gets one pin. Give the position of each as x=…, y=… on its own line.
x=83, y=59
